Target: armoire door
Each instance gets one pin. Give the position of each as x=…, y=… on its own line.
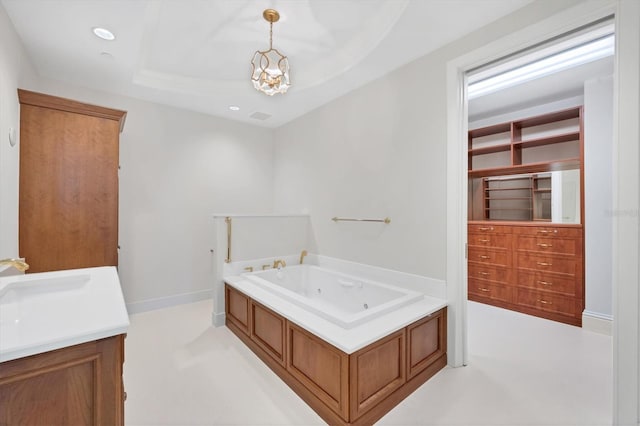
x=68, y=204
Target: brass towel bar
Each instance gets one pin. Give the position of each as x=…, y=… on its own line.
x=345, y=219
x=228, y=222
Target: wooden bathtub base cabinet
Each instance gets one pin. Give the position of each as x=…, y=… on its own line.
x=344, y=389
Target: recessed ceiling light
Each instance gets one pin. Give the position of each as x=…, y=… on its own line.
x=103, y=33
x=234, y=108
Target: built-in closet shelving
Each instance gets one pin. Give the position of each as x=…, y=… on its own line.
x=520, y=257
x=515, y=146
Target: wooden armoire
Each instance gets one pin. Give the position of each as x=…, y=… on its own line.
x=68, y=203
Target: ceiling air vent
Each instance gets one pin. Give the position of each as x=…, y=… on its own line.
x=260, y=116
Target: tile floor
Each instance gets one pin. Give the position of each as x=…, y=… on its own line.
x=179, y=370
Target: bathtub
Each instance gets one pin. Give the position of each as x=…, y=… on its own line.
x=342, y=299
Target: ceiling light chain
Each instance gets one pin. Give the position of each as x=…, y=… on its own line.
x=270, y=68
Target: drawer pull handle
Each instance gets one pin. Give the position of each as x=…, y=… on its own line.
x=543, y=245
x=486, y=290
x=486, y=228
x=483, y=240
x=546, y=231
x=482, y=256
x=545, y=283
x=544, y=264
x=544, y=302
x=483, y=274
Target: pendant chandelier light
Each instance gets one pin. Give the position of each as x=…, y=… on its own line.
x=270, y=68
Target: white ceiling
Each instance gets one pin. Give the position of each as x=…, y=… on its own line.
x=195, y=54
x=561, y=85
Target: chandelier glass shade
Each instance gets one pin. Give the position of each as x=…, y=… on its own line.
x=270, y=68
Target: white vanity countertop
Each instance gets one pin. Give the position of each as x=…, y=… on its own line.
x=347, y=340
x=50, y=310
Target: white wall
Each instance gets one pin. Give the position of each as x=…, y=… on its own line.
x=177, y=169
x=15, y=71
x=598, y=196
x=381, y=151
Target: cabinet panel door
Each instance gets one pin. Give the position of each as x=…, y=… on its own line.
x=320, y=367
x=268, y=331
x=426, y=341
x=237, y=308
x=68, y=214
x=376, y=372
x=78, y=385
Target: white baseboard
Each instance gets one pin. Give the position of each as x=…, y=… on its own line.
x=165, y=302
x=218, y=320
x=598, y=323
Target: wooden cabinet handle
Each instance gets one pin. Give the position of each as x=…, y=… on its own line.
x=544, y=264
x=482, y=256
x=485, y=228
x=484, y=240
x=545, y=283
x=544, y=302
x=483, y=274
x=546, y=231
x=486, y=290
x=543, y=245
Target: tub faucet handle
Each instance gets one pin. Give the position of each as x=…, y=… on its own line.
x=249, y=269
x=279, y=264
x=267, y=266
x=302, y=255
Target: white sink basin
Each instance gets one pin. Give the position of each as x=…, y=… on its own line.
x=30, y=287
x=36, y=290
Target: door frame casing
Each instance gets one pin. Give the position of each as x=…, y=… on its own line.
x=626, y=251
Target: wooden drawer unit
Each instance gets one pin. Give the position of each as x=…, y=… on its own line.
x=482, y=291
x=490, y=256
x=532, y=268
x=489, y=273
x=490, y=240
x=550, y=245
x=546, y=301
x=548, y=263
x=549, y=231
x=547, y=281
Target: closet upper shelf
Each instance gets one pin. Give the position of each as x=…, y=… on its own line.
x=541, y=143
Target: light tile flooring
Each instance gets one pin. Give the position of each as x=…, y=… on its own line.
x=179, y=370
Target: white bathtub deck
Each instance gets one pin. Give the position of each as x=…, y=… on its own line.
x=347, y=340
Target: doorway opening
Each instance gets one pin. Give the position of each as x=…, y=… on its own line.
x=540, y=179
x=525, y=165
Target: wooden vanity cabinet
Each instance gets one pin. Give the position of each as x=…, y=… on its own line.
x=77, y=385
x=344, y=389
